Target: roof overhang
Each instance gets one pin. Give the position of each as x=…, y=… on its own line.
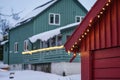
x=73, y=43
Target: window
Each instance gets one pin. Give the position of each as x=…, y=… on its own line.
x=54, y=19
x=67, y=37
x=26, y=45
x=79, y=18
x=59, y=40
x=16, y=47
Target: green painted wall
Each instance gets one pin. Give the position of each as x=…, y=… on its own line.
x=19, y=34
x=5, y=51
x=67, y=9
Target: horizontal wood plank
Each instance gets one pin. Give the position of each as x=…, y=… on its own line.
x=110, y=73
x=107, y=63
x=107, y=53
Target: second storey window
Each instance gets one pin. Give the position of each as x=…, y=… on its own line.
x=26, y=45
x=16, y=47
x=79, y=18
x=54, y=19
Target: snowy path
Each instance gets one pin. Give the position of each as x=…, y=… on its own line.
x=34, y=75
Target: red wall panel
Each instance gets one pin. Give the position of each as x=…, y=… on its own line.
x=110, y=52
x=118, y=20
x=112, y=73
x=97, y=36
x=105, y=31
x=102, y=33
x=92, y=41
x=107, y=63
x=108, y=28
x=86, y=66
x=114, y=23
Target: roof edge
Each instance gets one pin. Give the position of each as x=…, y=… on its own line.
x=85, y=23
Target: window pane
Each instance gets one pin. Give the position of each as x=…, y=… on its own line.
x=82, y=18
x=67, y=37
x=51, y=18
x=53, y=41
x=77, y=19
x=26, y=45
x=16, y=47
x=59, y=42
x=57, y=19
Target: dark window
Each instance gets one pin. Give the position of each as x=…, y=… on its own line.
x=54, y=19
x=67, y=37
x=51, y=18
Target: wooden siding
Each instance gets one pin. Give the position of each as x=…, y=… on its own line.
x=67, y=10
x=105, y=31
x=5, y=53
x=18, y=35
x=49, y=56
x=106, y=64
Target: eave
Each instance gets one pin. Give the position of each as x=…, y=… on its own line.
x=72, y=45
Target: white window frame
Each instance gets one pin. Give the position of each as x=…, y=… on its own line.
x=79, y=17
x=54, y=14
x=16, y=47
x=25, y=45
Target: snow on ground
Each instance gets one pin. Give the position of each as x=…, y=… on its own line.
x=2, y=65
x=34, y=75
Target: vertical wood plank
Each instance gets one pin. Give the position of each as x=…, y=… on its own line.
x=97, y=37
x=102, y=33
x=87, y=42
x=114, y=23
x=108, y=28
x=92, y=39
x=86, y=67
x=118, y=20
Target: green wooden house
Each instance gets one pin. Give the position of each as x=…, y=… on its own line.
x=36, y=42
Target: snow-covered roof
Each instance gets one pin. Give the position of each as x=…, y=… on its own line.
x=51, y=33
x=34, y=13
x=3, y=42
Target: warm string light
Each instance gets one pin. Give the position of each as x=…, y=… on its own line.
x=107, y=4
x=89, y=25
x=101, y=12
x=98, y=16
x=68, y=52
x=88, y=30
x=103, y=8
x=73, y=46
x=109, y=0
x=79, y=54
x=71, y=49
x=74, y=54
x=82, y=36
x=80, y=39
x=85, y=33
x=91, y=21
x=75, y=42
x=44, y=49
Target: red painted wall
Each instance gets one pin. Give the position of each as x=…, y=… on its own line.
x=100, y=49
x=105, y=31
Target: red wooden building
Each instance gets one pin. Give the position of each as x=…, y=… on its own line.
x=97, y=38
